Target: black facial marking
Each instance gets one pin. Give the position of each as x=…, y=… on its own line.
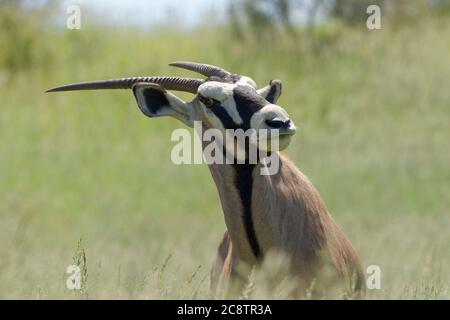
x=244, y=184
x=154, y=100
x=248, y=101
x=223, y=115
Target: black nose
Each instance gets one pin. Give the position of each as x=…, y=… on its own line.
x=278, y=124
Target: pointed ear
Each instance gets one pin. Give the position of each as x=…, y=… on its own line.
x=154, y=101
x=272, y=91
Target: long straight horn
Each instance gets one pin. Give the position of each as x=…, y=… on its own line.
x=169, y=83
x=204, y=69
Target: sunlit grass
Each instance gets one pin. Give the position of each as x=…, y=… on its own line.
x=373, y=114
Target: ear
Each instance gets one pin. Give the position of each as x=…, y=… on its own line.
x=154, y=101
x=272, y=91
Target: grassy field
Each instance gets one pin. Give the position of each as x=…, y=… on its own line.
x=373, y=109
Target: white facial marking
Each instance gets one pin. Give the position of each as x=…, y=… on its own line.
x=246, y=81
x=269, y=111
x=216, y=90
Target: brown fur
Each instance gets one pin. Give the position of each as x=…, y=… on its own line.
x=289, y=216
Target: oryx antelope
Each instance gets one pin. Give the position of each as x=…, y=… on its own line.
x=282, y=211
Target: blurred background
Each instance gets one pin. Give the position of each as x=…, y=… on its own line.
x=85, y=178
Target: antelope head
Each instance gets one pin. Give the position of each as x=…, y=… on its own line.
x=222, y=101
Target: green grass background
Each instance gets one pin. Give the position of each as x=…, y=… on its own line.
x=373, y=108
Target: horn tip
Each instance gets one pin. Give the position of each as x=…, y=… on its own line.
x=176, y=63
x=58, y=88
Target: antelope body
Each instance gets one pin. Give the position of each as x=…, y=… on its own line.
x=287, y=215
x=282, y=211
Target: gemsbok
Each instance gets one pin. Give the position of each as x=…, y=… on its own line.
x=273, y=212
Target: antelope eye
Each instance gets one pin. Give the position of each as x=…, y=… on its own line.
x=206, y=101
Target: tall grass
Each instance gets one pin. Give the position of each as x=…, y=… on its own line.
x=373, y=111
